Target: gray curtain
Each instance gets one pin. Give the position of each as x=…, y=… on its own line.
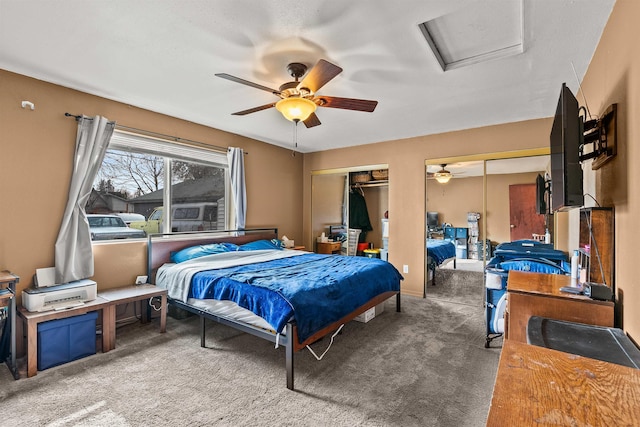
x=235, y=157
x=73, y=253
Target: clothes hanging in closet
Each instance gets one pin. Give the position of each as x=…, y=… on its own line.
x=358, y=213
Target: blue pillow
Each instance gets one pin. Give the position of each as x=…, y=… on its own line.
x=201, y=250
x=261, y=244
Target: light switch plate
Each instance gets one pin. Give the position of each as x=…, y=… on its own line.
x=141, y=280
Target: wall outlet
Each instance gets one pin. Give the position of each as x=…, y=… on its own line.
x=405, y=269
x=141, y=280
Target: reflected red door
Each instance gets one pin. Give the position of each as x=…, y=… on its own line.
x=522, y=212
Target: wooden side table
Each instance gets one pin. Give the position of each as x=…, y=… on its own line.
x=106, y=302
x=328, y=247
x=536, y=294
x=127, y=294
x=31, y=320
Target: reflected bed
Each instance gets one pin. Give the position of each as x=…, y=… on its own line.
x=439, y=252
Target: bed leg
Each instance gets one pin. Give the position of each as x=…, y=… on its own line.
x=202, y=331
x=398, y=303
x=289, y=356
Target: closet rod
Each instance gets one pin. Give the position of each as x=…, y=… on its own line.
x=156, y=134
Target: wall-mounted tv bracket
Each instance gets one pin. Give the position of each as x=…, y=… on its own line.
x=600, y=138
x=547, y=198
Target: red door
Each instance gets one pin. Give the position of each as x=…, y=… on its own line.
x=522, y=212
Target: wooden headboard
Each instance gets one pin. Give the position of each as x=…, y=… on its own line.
x=160, y=246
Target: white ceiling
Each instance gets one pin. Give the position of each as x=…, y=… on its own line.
x=162, y=55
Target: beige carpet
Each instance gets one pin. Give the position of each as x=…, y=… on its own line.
x=426, y=366
x=464, y=264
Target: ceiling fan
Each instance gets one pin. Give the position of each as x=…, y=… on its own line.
x=442, y=176
x=298, y=99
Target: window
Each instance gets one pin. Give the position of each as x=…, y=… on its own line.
x=133, y=175
x=185, y=213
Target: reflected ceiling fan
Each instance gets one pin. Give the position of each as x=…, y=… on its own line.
x=298, y=99
x=442, y=176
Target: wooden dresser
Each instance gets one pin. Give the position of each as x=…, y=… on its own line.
x=544, y=387
x=536, y=294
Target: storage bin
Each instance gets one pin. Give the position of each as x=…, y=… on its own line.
x=360, y=177
x=370, y=314
x=354, y=235
x=61, y=341
x=372, y=253
x=461, y=253
x=380, y=174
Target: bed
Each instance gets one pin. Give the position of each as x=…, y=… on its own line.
x=291, y=298
x=439, y=252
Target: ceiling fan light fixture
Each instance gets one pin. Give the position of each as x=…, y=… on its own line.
x=296, y=109
x=442, y=176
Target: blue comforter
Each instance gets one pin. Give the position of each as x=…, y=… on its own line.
x=316, y=290
x=440, y=250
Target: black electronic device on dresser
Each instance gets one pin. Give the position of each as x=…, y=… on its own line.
x=433, y=222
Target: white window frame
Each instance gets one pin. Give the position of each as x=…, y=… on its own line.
x=122, y=140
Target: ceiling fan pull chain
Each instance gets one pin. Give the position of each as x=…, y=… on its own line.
x=295, y=138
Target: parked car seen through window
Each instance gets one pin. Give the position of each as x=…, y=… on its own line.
x=107, y=227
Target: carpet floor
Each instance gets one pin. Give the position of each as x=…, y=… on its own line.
x=425, y=366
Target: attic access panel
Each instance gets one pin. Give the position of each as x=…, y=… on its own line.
x=480, y=32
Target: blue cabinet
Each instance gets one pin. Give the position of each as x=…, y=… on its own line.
x=460, y=237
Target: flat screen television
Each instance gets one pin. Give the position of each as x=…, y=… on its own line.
x=541, y=190
x=565, y=141
x=432, y=220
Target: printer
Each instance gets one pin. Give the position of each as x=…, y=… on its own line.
x=59, y=297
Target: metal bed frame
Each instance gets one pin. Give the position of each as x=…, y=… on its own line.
x=289, y=340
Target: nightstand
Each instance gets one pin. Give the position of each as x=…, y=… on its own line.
x=328, y=247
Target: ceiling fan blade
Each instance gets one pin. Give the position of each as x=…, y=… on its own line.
x=247, y=82
x=346, y=103
x=253, y=110
x=312, y=121
x=319, y=75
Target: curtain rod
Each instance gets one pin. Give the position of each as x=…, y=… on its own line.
x=156, y=134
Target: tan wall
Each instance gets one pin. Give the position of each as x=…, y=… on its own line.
x=614, y=77
x=454, y=199
x=406, y=159
x=36, y=153
x=377, y=199
x=328, y=197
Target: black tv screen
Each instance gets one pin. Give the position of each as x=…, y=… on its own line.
x=432, y=220
x=566, y=138
x=541, y=203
